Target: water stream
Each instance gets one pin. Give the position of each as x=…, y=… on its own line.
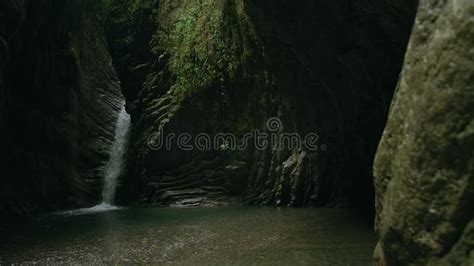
x=113, y=169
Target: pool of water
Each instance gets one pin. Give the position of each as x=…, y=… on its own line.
x=195, y=236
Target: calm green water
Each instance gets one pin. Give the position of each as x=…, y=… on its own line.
x=216, y=236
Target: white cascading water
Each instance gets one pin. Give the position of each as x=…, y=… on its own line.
x=113, y=169
x=116, y=162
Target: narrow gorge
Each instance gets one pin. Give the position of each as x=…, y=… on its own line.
x=271, y=132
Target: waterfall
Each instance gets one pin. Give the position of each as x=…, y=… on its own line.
x=116, y=163
x=113, y=168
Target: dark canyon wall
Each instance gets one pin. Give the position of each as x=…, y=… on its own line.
x=328, y=67
x=424, y=167
x=59, y=96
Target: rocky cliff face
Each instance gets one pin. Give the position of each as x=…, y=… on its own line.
x=230, y=66
x=425, y=163
x=59, y=99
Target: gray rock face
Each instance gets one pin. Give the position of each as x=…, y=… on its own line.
x=59, y=96
x=425, y=163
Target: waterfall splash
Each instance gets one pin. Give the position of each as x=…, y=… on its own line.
x=113, y=169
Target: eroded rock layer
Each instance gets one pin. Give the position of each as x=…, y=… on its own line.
x=328, y=67
x=59, y=99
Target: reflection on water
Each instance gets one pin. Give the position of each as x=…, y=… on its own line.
x=103, y=207
x=228, y=235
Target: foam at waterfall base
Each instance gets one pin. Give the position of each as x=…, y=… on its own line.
x=103, y=207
